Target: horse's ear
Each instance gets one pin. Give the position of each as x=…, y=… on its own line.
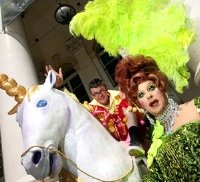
x=50, y=79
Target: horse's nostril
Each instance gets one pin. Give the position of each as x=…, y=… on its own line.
x=36, y=157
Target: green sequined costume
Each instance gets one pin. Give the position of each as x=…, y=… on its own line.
x=178, y=158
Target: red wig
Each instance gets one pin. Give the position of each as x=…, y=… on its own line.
x=131, y=71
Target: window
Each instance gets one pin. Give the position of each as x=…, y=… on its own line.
x=109, y=63
x=74, y=84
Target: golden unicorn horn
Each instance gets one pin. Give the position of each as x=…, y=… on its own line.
x=12, y=89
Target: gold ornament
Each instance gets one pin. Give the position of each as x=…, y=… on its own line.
x=12, y=89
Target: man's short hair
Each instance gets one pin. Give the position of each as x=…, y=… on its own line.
x=95, y=83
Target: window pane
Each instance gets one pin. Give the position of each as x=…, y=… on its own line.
x=81, y=93
x=106, y=59
x=78, y=89
x=111, y=67
x=109, y=63
x=75, y=81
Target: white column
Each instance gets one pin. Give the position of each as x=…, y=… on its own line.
x=86, y=67
x=16, y=62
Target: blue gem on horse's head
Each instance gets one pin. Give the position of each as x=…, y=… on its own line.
x=41, y=103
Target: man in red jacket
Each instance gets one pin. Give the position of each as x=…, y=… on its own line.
x=114, y=114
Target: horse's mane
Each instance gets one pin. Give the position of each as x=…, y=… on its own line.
x=31, y=90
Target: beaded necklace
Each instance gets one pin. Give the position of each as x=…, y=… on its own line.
x=167, y=117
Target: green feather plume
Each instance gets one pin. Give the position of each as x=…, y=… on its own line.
x=160, y=29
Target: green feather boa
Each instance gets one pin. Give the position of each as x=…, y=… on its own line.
x=160, y=29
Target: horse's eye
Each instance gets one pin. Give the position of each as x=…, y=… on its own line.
x=41, y=103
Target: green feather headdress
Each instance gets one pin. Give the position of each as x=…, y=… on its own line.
x=160, y=29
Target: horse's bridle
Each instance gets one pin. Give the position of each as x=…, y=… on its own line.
x=53, y=150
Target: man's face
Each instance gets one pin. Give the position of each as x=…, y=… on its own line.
x=100, y=94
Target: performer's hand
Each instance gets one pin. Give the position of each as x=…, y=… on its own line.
x=59, y=75
x=132, y=120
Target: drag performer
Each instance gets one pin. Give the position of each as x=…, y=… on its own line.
x=174, y=152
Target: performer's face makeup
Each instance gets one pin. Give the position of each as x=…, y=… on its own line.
x=100, y=94
x=151, y=98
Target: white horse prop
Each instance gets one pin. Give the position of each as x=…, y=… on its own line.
x=51, y=120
